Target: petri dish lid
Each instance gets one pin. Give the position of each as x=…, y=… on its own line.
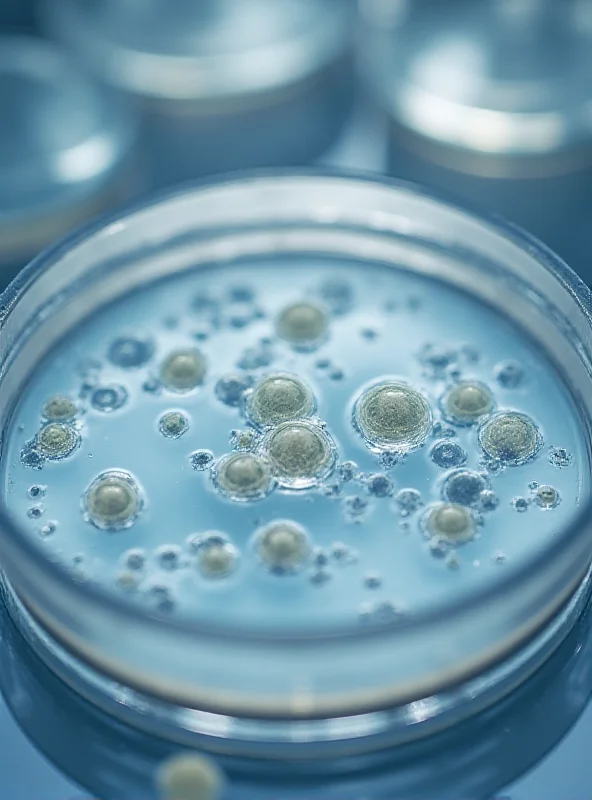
x=502, y=78
x=62, y=141
x=201, y=51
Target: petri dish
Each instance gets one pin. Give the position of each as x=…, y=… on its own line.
x=489, y=101
x=220, y=85
x=333, y=571
x=66, y=155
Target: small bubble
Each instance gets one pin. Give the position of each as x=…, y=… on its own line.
x=48, y=529
x=559, y=457
x=392, y=416
x=31, y=457
x=204, y=303
x=488, y=500
x=301, y=454
x=279, y=398
x=173, y=424
x=302, y=325
x=369, y=333
x=57, y=440
x=323, y=363
x=231, y=388
x=243, y=477
x=450, y=523
x=320, y=576
x=108, y=398
x=343, y=553
x=283, y=545
x=201, y=336
x=36, y=491
x=113, y=501
x=436, y=359
x=464, y=487
x=469, y=353
x=379, y=485
x=348, y=471
x=499, y=557
x=337, y=295
x=387, y=611
x=448, y=454
x=509, y=374
x=256, y=357
x=201, y=460
x=129, y=352
x=452, y=561
x=241, y=294
x=183, y=370
x=59, y=409
x=372, y=580
x=135, y=559
x=336, y=374
x=320, y=557
x=389, y=460
x=168, y=557
x=438, y=547
x=533, y=485
x=35, y=512
x=127, y=581
x=152, y=386
x=355, y=507
x=331, y=490
x=467, y=402
x=520, y=504
x=547, y=497
x=409, y=500
x=243, y=440
x=510, y=438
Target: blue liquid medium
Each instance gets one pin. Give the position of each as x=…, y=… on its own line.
x=370, y=559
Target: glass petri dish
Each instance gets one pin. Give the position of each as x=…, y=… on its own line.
x=295, y=461
x=66, y=155
x=220, y=85
x=489, y=101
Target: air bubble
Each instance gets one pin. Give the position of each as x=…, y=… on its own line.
x=113, y=501
x=509, y=374
x=379, y=485
x=48, y=529
x=488, y=500
x=392, y=416
x=168, y=557
x=152, y=386
x=467, y=402
x=243, y=477
x=409, y=500
x=559, y=457
x=302, y=324
x=36, y=491
x=343, y=554
x=35, y=512
x=355, y=507
x=448, y=454
x=320, y=557
x=279, y=398
x=201, y=460
x=320, y=577
x=59, y=409
x=372, y=580
x=348, y=471
x=283, y=545
x=336, y=374
x=231, y=388
x=464, y=487
x=130, y=352
x=332, y=490
x=520, y=504
x=108, y=398
x=216, y=557
x=547, y=497
x=57, y=440
x=183, y=370
x=173, y=424
x=301, y=454
x=127, y=581
x=436, y=360
x=510, y=438
x=369, y=334
x=450, y=522
x=135, y=560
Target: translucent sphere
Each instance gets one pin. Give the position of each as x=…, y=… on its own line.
x=301, y=454
x=183, y=370
x=57, y=440
x=283, y=545
x=173, y=424
x=112, y=501
x=302, y=324
x=190, y=776
x=243, y=476
x=216, y=557
x=510, y=438
x=393, y=416
x=450, y=522
x=279, y=398
x=467, y=402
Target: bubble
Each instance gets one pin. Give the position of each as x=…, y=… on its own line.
x=447, y=454
x=467, y=402
x=241, y=294
x=323, y=363
x=243, y=477
x=256, y=357
x=332, y=490
x=379, y=485
x=48, y=529
x=510, y=438
x=320, y=557
x=437, y=359
x=559, y=457
x=301, y=454
x=464, y=487
x=348, y=471
x=57, y=440
x=409, y=500
x=337, y=295
x=336, y=375
x=343, y=554
x=189, y=776
x=488, y=500
x=127, y=581
x=35, y=512
x=112, y=501
x=130, y=352
x=135, y=560
x=183, y=370
x=168, y=557
x=450, y=522
x=59, y=409
x=320, y=576
x=243, y=440
x=393, y=415
x=152, y=386
x=369, y=334
x=509, y=374
x=173, y=424
x=302, y=324
x=231, y=388
x=201, y=460
x=355, y=507
x=279, y=398
x=283, y=545
x=372, y=580
x=547, y=497
x=36, y=491
x=520, y=504
x=108, y=398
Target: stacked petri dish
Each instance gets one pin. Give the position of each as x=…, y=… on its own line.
x=295, y=467
x=220, y=85
x=490, y=101
x=66, y=150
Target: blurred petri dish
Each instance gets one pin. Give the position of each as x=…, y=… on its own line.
x=364, y=600
x=490, y=101
x=221, y=84
x=65, y=151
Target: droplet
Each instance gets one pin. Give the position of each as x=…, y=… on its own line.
x=547, y=497
x=510, y=438
x=173, y=424
x=130, y=352
x=59, y=409
x=279, y=398
x=283, y=545
x=302, y=324
x=113, y=501
x=509, y=374
x=393, y=416
x=559, y=457
x=301, y=454
x=447, y=454
x=201, y=460
x=108, y=398
x=190, y=776
x=467, y=402
x=520, y=504
x=450, y=523
x=379, y=485
x=231, y=388
x=243, y=477
x=183, y=370
x=57, y=440
x=464, y=487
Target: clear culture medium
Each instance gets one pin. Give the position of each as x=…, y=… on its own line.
x=295, y=458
